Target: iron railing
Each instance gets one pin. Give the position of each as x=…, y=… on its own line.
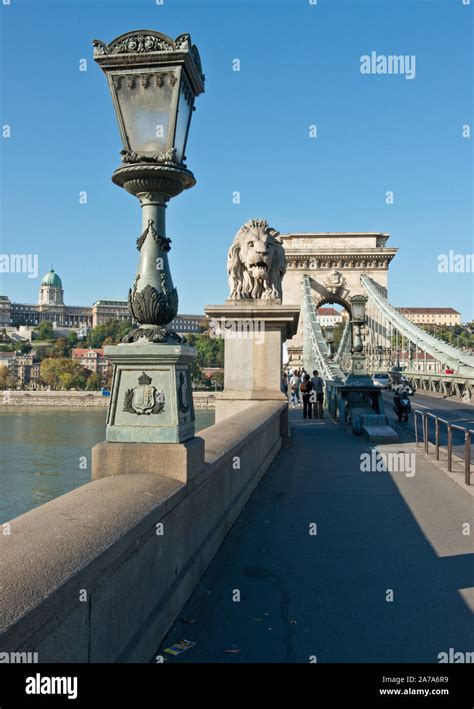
x=424, y=439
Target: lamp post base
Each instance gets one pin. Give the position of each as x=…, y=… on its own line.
x=152, y=333
x=151, y=399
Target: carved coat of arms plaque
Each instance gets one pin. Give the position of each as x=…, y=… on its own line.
x=144, y=398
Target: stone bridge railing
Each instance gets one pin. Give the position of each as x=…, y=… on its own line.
x=101, y=573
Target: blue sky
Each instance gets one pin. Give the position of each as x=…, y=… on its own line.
x=300, y=65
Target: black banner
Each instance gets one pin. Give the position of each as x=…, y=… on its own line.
x=389, y=685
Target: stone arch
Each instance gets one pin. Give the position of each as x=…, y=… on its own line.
x=334, y=300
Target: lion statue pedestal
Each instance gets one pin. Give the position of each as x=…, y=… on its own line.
x=253, y=321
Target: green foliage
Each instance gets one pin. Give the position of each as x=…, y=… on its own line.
x=338, y=330
x=210, y=351
x=60, y=348
x=113, y=330
x=218, y=378
x=93, y=382
x=72, y=340
x=125, y=327
x=63, y=373
x=8, y=347
x=24, y=347
x=45, y=330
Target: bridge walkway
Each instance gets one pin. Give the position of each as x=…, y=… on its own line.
x=325, y=595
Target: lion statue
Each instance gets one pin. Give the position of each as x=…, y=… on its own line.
x=256, y=262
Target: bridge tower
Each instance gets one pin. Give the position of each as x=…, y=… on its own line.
x=334, y=261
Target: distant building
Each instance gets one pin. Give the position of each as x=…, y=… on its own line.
x=6, y=358
x=24, y=368
x=329, y=316
x=104, y=310
x=92, y=359
x=189, y=323
x=432, y=316
x=51, y=307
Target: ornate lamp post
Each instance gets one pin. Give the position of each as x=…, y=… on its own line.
x=329, y=337
x=154, y=81
x=358, y=303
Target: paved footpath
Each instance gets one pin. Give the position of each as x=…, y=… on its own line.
x=327, y=595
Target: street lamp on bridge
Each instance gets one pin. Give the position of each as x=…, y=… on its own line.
x=329, y=337
x=154, y=81
x=358, y=303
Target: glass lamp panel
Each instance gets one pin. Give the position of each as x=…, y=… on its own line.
x=144, y=101
x=358, y=309
x=182, y=120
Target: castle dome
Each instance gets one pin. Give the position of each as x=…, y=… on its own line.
x=52, y=279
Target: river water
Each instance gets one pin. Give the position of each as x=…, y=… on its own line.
x=46, y=452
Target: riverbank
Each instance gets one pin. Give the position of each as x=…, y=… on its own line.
x=82, y=399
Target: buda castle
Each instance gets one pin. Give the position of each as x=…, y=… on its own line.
x=51, y=307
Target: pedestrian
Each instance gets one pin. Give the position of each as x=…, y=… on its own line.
x=317, y=395
x=298, y=393
x=284, y=383
x=306, y=387
x=295, y=383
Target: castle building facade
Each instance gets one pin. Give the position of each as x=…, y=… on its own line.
x=51, y=307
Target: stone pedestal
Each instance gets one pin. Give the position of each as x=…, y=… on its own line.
x=181, y=461
x=253, y=331
x=151, y=399
x=358, y=376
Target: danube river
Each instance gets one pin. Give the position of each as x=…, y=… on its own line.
x=47, y=452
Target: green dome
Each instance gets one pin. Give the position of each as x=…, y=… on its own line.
x=52, y=279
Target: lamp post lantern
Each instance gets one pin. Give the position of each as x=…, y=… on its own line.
x=154, y=81
x=329, y=337
x=358, y=303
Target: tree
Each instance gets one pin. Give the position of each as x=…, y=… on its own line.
x=60, y=348
x=72, y=341
x=191, y=339
x=124, y=329
x=50, y=371
x=45, y=330
x=7, y=379
x=195, y=372
x=218, y=379
x=25, y=347
x=112, y=330
x=93, y=382
x=63, y=373
x=210, y=351
x=338, y=330
x=66, y=380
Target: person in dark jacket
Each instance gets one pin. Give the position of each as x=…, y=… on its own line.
x=306, y=388
x=317, y=398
